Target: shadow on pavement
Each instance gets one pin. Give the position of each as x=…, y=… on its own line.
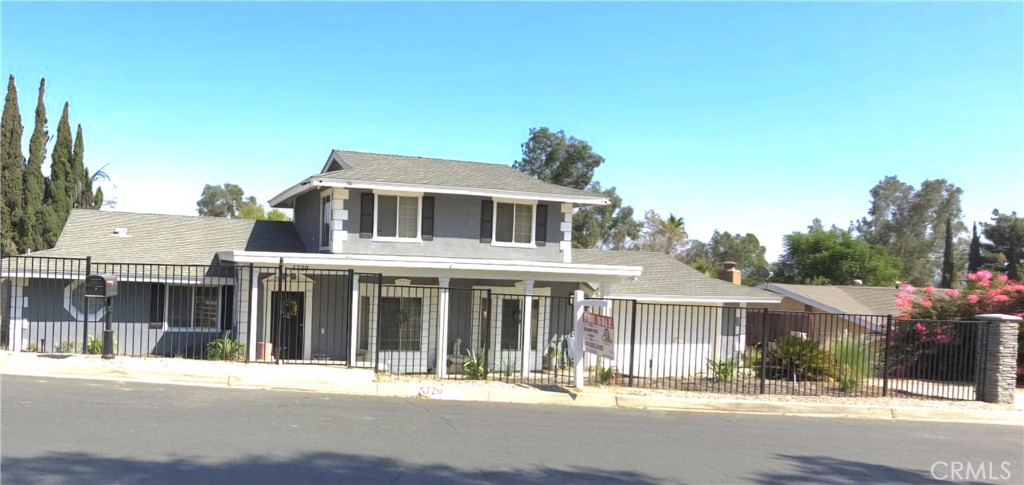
x=307, y=468
x=832, y=471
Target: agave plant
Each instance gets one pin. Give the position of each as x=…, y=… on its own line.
x=225, y=348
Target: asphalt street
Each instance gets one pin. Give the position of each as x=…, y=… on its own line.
x=83, y=432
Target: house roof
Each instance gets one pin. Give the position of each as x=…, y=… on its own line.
x=380, y=171
x=664, y=278
x=166, y=239
x=853, y=300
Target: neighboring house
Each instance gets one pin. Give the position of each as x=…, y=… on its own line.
x=388, y=257
x=842, y=307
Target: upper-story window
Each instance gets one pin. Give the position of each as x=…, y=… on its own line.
x=398, y=217
x=513, y=223
x=325, y=221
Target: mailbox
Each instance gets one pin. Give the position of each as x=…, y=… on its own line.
x=100, y=286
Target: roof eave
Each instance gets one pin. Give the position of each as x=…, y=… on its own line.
x=696, y=299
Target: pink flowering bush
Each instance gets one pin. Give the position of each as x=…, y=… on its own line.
x=924, y=331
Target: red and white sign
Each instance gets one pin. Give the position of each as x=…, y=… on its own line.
x=599, y=335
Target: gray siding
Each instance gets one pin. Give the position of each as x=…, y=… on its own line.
x=307, y=220
x=330, y=316
x=456, y=232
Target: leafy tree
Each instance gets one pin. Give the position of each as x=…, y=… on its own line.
x=908, y=222
x=607, y=227
x=743, y=249
x=30, y=230
x=11, y=171
x=948, y=266
x=220, y=200
x=835, y=257
x=975, y=260
x=229, y=201
x=1006, y=236
x=555, y=158
x=662, y=235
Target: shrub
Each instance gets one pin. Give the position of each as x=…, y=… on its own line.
x=66, y=347
x=852, y=363
x=225, y=348
x=476, y=364
x=94, y=345
x=605, y=375
x=798, y=358
x=723, y=370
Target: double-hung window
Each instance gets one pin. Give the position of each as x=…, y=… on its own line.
x=398, y=217
x=513, y=223
x=401, y=323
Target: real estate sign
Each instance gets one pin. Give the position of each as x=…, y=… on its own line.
x=599, y=335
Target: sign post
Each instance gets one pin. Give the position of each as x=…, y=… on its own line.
x=578, y=347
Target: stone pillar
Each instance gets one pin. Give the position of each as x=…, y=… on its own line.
x=997, y=356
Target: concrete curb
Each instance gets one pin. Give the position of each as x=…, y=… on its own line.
x=360, y=382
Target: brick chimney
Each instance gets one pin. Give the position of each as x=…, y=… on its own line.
x=730, y=273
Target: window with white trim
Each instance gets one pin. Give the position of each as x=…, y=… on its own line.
x=513, y=223
x=398, y=217
x=193, y=307
x=401, y=323
x=325, y=221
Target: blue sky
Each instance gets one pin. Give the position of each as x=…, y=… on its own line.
x=741, y=117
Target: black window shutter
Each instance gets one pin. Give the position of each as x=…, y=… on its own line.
x=486, y=220
x=542, y=225
x=428, y=219
x=366, y=215
x=227, y=308
x=156, y=302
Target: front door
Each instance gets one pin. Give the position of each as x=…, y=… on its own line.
x=288, y=310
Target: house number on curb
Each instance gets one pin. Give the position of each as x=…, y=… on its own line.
x=431, y=391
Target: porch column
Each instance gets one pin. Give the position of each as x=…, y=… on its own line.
x=353, y=338
x=15, y=334
x=441, y=366
x=254, y=296
x=527, y=327
x=577, y=339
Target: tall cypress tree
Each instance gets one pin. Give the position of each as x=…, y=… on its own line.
x=12, y=168
x=947, y=257
x=974, y=258
x=83, y=186
x=30, y=228
x=60, y=192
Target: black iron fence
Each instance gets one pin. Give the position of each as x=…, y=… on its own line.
x=339, y=317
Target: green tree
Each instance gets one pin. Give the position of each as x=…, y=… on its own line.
x=30, y=229
x=607, y=226
x=83, y=196
x=220, y=200
x=974, y=257
x=948, y=265
x=1006, y=236
x=555, y=158
x=229, y=201
x=662, y=235
x=60, y=190
x=834, y=257
x=12, y=168
x=743, y=249
x=910, y=223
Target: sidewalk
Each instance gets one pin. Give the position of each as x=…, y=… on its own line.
x=331, y=379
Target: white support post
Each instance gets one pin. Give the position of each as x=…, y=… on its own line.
x=527, y=328
x=441, y=366
x=577, y=340
x=353, y=338
x=15, y=334
x=254, y=292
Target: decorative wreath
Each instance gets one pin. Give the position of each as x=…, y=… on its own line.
x=291, y=308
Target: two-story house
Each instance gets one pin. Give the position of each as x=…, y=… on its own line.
x=401, y=262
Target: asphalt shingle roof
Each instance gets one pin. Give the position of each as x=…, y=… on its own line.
x=375, y=167
x=854, y=300
x=166, y=239
x=664, y=276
